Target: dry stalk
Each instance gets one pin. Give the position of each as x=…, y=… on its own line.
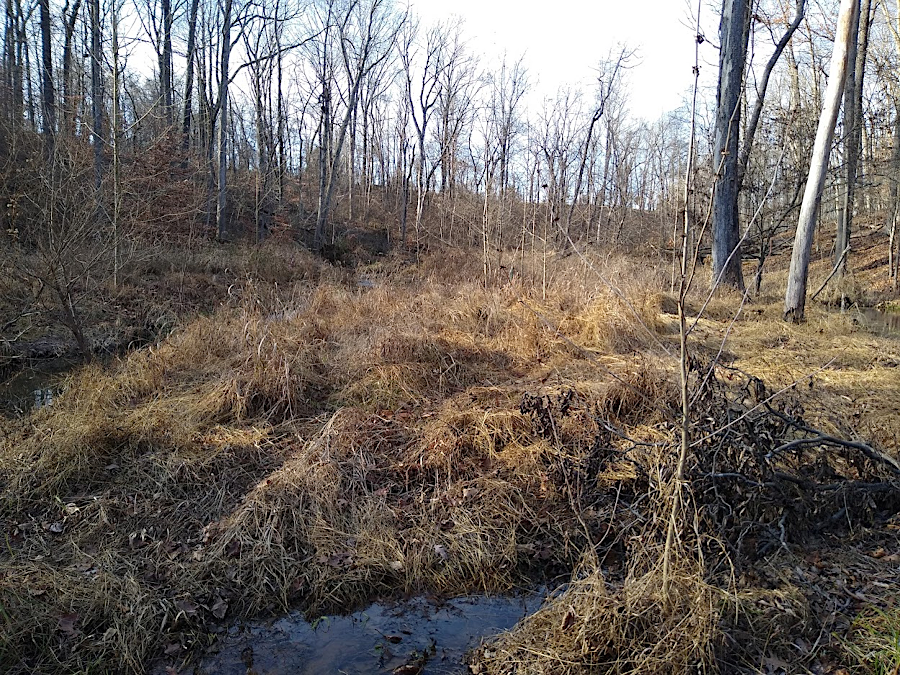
x=682, y=336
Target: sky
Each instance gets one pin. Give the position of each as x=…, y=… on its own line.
x=563, y=41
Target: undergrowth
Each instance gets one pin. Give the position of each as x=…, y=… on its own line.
x=316, y=444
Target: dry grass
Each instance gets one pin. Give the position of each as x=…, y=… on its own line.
x=322, y=450
x=319, y=444
x=594, y=628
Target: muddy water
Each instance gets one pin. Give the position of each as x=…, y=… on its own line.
x=35, y=386
x=417, y=636
x=880, y=322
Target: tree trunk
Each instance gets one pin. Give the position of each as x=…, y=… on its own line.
x=753, y=124
x=726, y=254
x=48, y=92
x=67, y=107
x=891, y=224
x=853, y=91
x=795, y=296
x=224, y=70
x=324, y=165
x=96, y=93
x=165, y=71
x=189, y=76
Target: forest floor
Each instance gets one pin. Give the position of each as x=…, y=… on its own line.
x=286, y=434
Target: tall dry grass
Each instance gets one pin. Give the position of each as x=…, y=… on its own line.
x=322, y=445
x=318, y=443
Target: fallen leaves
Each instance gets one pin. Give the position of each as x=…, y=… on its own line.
x=219, y=608
x=66, y=625
x=187, y=607
x=339, y=560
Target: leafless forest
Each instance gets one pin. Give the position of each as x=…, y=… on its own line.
x=306, y=304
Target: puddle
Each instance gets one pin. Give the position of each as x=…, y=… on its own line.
x=381, y=639
x=880, y=322
x=35, y=386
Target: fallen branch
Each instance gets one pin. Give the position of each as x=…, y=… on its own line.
x=837, y=266
x=825, y=439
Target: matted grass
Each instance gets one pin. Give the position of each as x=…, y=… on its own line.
x=325, y=444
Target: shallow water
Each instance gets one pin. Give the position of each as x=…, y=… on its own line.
x=380, y=639
x=35, y=386
x=880, y=322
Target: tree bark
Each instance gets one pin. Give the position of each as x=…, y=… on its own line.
x=67, y=109
x=853, y=92
x=753, y=123
x=189, y=76
x=795, y=296
x=734, y=31
x=165, y=70
x=224, y=70
x=96, y=93
x=48, y=91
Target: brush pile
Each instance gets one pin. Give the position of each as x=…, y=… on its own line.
x=762, y=486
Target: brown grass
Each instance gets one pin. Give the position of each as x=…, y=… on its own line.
x=318, y=444
x=593, y=627
x=320, y=448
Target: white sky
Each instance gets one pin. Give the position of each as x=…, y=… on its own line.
x=563, y=41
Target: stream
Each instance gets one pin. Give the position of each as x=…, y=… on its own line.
x=411, y=637
x=880, y=322
x=35, y=386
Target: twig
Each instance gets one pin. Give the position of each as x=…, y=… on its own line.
x=825, y=439
x=837, y=266
x=761, y=404
x=678, y=478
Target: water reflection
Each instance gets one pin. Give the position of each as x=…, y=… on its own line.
x=33, y=387
x=880, y=322
x=417, y=636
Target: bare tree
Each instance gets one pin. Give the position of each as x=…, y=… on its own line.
x=97, y=103
x=508, y=88
x=48, y=87
x=190, y=61
x=762, y=88
x=734, y=31
x=607, y=83
x=458, y=84
x=422, y=64
x=70, y=16
x=366, y=30
x=795, y=296
x=224, y=81
x=853, y=123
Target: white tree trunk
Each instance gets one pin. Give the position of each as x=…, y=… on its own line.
x=795, y=297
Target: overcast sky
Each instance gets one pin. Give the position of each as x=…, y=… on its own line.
x=563, y=40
